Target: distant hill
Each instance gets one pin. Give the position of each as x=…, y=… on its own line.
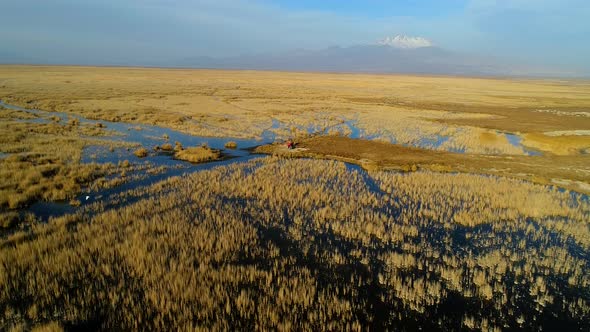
x=399, y=54
x=362, y=58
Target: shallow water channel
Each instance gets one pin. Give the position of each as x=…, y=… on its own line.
x=150, y=136
x=459, y=242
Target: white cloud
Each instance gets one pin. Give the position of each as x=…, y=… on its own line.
x=406, y=42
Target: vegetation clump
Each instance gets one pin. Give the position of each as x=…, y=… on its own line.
x=198, y=154
x=178, y=146
x=231, y=145
x=73, y=122
x=141, y=153
x=167, y=147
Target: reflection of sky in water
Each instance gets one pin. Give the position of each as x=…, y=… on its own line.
x=516, y=141
x=434, y=143
x=146, y=135
x=355, y=132
x=150, y=136
x=350, y=128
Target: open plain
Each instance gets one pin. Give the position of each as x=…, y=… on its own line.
x=468, y=114
x=408, y=202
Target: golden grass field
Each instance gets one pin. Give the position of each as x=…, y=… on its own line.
x=233, y=248
x=473, y=112
x=419, y=236
x=43, y=161
x=566, y=171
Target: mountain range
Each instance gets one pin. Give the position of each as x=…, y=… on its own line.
x=398, y=54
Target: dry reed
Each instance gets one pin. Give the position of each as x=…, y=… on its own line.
x=308, y=245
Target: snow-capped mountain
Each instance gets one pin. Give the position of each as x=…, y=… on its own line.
x=406, y=42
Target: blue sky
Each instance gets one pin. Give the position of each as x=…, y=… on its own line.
x=377, y=8
x=552, y=33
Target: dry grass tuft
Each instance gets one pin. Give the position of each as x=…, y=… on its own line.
x=141, y=153
x=167, y=147
x=8, y=219
x=198, y=154
x=231, y=145
x=178, y=146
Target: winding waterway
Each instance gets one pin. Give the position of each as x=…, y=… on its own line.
x=150, y=136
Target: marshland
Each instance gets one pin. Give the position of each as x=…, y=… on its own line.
x=158, y=199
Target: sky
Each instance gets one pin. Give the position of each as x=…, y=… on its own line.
x=553, y=33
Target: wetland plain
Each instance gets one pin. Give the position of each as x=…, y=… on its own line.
x=157, y=199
